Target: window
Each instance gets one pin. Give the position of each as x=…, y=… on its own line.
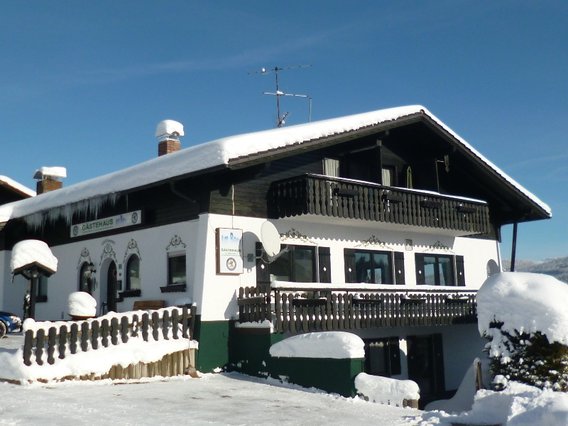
x=387, y=176
x=87, y=277
x=176, y=269
x=41, y=293
x=439, y=269
x=133, y=273
x=375, y=267
x=331, y=167
x=296, y=264
x=382, y=357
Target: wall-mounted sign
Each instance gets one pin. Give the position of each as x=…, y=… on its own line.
x=229, y=251
x=106, y=224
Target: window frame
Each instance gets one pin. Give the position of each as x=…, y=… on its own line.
x=84, y=284
x=395, y=266
x=128, y=279
x=170, y=278
x=321, y=265
x=456, y=263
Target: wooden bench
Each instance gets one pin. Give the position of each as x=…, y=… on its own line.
x=147, y=305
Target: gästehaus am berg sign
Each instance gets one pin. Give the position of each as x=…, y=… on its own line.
x=106, y=224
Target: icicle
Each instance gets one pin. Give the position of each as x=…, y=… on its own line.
x=92, y=206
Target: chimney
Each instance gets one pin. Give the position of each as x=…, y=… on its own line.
x=168, y=133
x=48, y=178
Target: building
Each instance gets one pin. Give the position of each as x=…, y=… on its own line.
x=388, y=222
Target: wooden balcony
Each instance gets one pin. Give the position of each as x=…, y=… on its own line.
x=298, y=310
x=346, y=198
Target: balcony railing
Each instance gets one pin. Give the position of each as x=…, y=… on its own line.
x=300, y=310
x=345, y=198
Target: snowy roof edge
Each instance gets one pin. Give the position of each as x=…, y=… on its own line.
x=11, y=183
x=221, y=151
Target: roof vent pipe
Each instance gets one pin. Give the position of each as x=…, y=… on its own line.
x=168, y=133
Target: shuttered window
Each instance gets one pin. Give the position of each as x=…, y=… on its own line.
x=375, y=267
x=440, y=269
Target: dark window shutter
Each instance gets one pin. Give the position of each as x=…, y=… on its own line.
x=324, y=265
x=420, y=268
x=262, y=271
x=349, y=260
x=460, y=271
x=399, y=267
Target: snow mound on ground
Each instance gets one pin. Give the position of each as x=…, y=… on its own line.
x=82, y=304
x=386, y=390
x=525, y=302
x=28, y=252
x=327, y=344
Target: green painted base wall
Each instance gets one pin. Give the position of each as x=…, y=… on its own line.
x=249, y=354
x=213, y=338
x=330, y=375
x=247, y=350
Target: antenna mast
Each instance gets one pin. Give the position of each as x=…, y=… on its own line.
x=281, y=118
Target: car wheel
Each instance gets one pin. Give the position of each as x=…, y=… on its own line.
x=3, y=329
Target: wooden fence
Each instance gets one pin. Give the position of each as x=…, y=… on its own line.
x=298, y=311
x=65, y=339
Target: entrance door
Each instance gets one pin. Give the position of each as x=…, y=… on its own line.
x=426, y=365
x=111, y=287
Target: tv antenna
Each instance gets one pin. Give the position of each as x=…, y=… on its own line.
x=281, y=118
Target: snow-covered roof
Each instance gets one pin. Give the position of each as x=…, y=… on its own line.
x=230, y=150
x=32, y=252
x=16, y=187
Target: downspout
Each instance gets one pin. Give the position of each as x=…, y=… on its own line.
x=514, y=247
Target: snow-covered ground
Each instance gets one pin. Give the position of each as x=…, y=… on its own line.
x=214, y=399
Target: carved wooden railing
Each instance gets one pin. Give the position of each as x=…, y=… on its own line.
x=346, y=198
x=62, y=339
x=300, y=310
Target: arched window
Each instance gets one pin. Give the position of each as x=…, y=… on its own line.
x=133, y=273
x=87, y=277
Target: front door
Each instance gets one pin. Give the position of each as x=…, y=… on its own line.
x=426, y=365
x=111, y=287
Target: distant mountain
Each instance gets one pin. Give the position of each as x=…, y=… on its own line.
x=557, y=267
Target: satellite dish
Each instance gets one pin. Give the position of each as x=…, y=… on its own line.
x=270, y=239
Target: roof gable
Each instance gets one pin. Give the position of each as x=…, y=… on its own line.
x=241, y=150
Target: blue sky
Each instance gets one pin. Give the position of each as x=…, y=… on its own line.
x=83, y=84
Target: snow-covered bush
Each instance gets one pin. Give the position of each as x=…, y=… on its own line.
x=531, y=359
x=525, y=318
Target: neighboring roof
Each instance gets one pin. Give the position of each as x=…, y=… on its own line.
x=16, y=187
x=231, y=150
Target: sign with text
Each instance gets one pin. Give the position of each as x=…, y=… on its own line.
x=107, y=224
x=229, y=251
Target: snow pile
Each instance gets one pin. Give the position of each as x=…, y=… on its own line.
x=82, y=304
x=464, y=396
x=167, y=128
x=525, y=303
x=328, y=344
x=52, y=172
x=29, y=252
x=386, y=390
x=518, y=405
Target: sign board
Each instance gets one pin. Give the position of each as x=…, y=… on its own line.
x=107, y=224
x=229, y=251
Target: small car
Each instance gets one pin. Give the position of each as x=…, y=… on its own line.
x=9, y=323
